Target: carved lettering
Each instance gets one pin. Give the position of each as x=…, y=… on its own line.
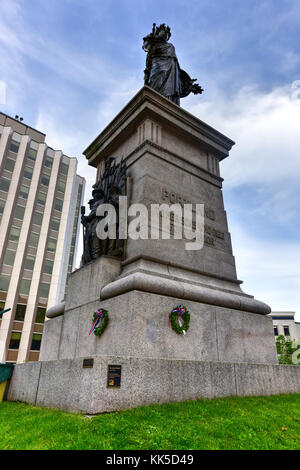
x=176, y=198
x=210, y=233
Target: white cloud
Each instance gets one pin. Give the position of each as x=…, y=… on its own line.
x=116, y=100
x=266, y=129
x=270, y=270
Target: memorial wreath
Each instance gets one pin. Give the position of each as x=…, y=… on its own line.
x=180, y=319
x=100, y=320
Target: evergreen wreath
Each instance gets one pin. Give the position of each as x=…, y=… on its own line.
x=177, y=314
x=99, y=318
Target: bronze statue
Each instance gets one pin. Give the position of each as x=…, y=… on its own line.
x=106, y=191
x=163, y=72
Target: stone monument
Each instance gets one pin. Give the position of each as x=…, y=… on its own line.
x=155, y=152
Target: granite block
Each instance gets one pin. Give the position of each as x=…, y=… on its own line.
x=24, y=382
x=86, y=283
x=245, y=337
x=66, y=385
x=69, y=334
x=51, y=339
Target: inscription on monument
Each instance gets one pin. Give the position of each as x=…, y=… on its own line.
x=211, y=235
x=88, y=363
x=114, y=376
x=175, y=198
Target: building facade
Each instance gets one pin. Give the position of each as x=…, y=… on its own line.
x=40, y=199
x=284, y=324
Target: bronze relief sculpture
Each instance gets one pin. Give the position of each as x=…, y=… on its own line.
x=106, y=191
x=162, y=72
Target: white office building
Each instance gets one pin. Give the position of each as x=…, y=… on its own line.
x=40, y=199
x=284, y=324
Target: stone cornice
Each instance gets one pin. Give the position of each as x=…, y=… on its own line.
x=149, y=103
x=128, y=261
x=183, y=290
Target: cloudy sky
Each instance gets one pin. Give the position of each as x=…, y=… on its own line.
x=70, y=65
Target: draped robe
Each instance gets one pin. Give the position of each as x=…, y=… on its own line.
x=166, y=76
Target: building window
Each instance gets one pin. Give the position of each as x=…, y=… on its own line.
x=40, y=315
x=28, y=170
x=37, y=218
x=20, y=312
x=4, y=184
x=15, y=340
x=25, y=286
x=41, y=199
x=286, y=330
x=19, y=212
x=4, y=282
x=58, y=204
x=48, y=162
x=61, y=186
x=24, y=190
x=52, y=244
x=14, y=146
x=64, y=168
x=32, y=154
x=14, y=234
x=55, y=224
x=34, y=239
x=36, y=342
x=275, y=331
x=48, y=266
x=45, y=179
x=44, y=290
x=29, y=262
x=9, y=257
x=2, y=205
x=9, y=164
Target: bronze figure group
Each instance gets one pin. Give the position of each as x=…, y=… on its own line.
x=106, y=191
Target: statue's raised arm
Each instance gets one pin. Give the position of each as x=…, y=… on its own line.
x=162, y=72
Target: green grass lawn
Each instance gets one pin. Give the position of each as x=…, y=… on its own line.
x=228, y=423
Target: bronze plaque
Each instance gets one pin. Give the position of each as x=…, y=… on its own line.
x=88, y=363
x=114, y=376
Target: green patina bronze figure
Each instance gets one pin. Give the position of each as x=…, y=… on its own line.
x=163, y=72
x=106, y=191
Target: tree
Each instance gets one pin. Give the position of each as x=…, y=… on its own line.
x=287, y=350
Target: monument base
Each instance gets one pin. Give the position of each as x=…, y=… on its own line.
x=225, y=352
x=65, y=384
x=139, y=321
x=139, y=326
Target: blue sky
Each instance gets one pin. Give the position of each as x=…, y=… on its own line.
x=70, y=65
